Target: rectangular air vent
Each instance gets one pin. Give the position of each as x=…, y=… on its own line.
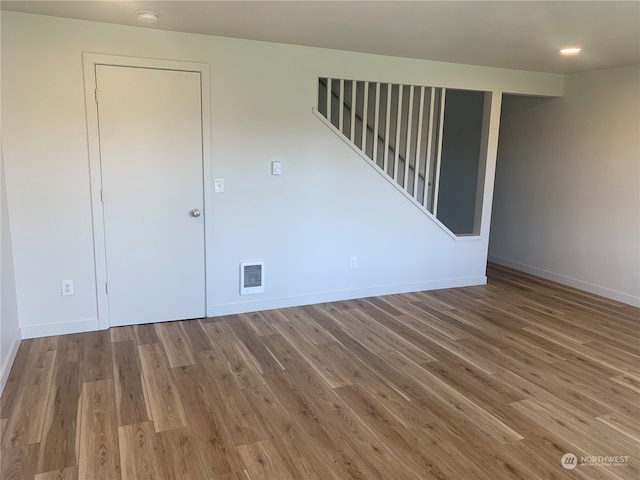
x=251, y=278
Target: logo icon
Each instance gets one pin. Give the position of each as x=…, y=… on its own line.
x=569, y=461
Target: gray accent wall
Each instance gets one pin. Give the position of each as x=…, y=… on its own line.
x=460, y=159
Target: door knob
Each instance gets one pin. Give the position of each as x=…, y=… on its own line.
x=195, y=212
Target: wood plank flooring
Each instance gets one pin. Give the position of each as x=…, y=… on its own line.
x=491, y=382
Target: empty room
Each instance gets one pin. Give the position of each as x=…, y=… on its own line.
x=288, y=240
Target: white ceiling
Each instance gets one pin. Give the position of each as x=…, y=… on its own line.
x=523, y=35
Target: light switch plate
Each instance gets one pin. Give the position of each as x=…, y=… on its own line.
x=218, y=185
x=276, y=168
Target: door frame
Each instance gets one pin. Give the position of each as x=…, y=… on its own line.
x=90, y=61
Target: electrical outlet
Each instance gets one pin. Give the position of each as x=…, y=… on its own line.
x=67, y=287
x=353, y=263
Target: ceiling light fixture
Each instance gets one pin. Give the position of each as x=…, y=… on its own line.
x=570, y=51
x=147, y=16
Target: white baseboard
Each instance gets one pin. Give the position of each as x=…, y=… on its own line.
x=8, y=363
x=569, y=281
x=35, y=331
x=257, y=305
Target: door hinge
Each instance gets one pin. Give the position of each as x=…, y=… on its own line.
x=106, y=288
x=101, y=196
x=96, y=94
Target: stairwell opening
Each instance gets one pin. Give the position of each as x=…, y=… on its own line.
x=429, y=141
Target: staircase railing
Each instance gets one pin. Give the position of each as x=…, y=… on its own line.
x=396, y=127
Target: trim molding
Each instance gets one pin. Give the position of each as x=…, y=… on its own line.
x=90, y=61
x=569, y=281
x=285, y=302
x=8, y=363
x=46, y=330
x=35, y=331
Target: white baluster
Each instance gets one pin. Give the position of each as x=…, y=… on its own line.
x=398, y=125
x=407, y=153
x=353, y=111
x=341, y=107
x=329, y=95
x=365, y=120
x=416, y=169
x=386, y=134
x=436, y=180
x=376, y=124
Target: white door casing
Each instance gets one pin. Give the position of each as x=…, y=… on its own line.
x=149, y=156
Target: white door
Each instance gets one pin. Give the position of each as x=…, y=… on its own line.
x=150, y=130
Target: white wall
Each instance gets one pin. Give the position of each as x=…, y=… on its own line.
x=327, y=205
x=9, y=328
x=567, y=194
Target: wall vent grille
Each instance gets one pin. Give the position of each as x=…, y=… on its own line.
x=251, y=278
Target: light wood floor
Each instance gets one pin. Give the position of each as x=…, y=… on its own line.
x=492, y=382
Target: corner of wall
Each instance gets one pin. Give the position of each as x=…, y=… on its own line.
x=566, y=194
x=10, y=333
x=7, y=363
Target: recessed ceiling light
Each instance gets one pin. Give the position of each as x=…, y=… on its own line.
x=570, y=51
x=147, y=16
